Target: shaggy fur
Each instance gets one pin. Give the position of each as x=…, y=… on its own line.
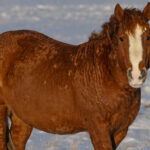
x=61, y=88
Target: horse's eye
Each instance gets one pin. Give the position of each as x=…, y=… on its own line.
x=148, y=38
x=121, y=39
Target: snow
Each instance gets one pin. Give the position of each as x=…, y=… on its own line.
x=72, y=21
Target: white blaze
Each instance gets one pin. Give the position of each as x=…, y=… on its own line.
x=136, y=51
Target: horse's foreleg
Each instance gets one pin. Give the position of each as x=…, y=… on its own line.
x=20, y=132
x=100, y=135
x=3, y=126
x=101, y=140
x=118, y=137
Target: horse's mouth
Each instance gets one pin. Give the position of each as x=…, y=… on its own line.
x=136, y=85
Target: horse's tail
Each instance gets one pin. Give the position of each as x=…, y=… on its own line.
x=10, y=145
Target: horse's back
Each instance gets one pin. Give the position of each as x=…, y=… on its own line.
x=29, y=54
x=32, y=50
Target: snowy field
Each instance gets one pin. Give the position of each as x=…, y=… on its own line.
x=72, y=21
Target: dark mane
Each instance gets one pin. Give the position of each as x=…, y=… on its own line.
x=110, y=28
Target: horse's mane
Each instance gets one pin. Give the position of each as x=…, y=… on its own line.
x=110, y=28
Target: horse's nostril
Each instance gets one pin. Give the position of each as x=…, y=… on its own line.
x=130, y=73
x=143, y=74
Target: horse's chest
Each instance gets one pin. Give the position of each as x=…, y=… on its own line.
x=125, y=111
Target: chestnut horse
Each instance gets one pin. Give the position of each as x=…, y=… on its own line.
x=61, y=88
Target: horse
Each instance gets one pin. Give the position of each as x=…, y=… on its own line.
x=65, y=89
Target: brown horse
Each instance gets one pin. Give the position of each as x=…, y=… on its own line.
x=61, y=88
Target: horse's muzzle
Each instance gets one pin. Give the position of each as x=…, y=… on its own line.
x=136, y=80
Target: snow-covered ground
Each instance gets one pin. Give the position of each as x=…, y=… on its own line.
x=72, y=21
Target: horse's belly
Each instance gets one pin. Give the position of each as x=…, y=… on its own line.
x=50, y=120
x=56, y=113
x=53, y=123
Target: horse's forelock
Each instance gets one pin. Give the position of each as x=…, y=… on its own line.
x=131, y=18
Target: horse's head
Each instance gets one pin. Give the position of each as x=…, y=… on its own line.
x=133, y=38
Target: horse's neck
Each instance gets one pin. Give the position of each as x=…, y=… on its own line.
x=99, y=57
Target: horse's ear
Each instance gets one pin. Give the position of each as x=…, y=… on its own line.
x=119, y=13
x=146, y=11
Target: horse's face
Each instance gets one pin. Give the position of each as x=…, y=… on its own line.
x=133, y=42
